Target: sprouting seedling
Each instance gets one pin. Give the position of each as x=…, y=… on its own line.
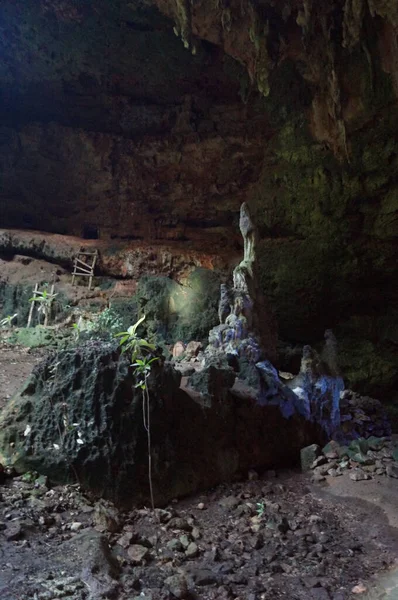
x=260, y=509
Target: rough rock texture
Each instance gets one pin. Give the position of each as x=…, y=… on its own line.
x=80, y=415
x=110, y=127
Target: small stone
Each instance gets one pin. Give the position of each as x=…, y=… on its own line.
x=203, y=577
x=177, y=586
x=331, y=455
x=175, y=545
x=201, y=506
x=76, y=526
x=308, y=455
x=252, y=475
x=125, y=540
x=42, y=480
x=359, y=446
x=392, y=470
x=13, y=532
x=362, y=459
x=359, y=589
x=321, y=460
x=193, y=349
x=196, y=533
x=359, y=475
x=106, y=518
x=332, y=446
x=230, y=502
x=334, y=473
x=185, y=541
x=192, y=550
x=178, y=349
x=179, y=523
x=376, y=443
x=137, y=553
x=318, y=478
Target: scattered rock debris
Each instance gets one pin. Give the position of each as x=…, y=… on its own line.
x=266, y=538
x=362, y=458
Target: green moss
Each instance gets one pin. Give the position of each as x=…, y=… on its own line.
x=33, y=337
x=367, y=367
x=179, y=312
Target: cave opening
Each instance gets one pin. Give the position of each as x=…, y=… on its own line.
x=173, y=353
x=90, y=232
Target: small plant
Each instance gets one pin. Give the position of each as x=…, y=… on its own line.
x=7, y=321
x=109, y=321
x=141, y=360
x=44, y=300
x=260, y=509
x=136, y=346
x=83, y=326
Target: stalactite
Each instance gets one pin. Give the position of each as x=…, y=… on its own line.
x=258, y=34
x=354, y=11
x=387, y=9
x=183, y=26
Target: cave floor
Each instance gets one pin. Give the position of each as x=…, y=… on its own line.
x=275, y=536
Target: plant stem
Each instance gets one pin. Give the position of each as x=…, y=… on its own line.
x=147, y=425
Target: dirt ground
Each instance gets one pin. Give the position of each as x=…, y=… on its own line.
x=273, y=536
x=15, y=366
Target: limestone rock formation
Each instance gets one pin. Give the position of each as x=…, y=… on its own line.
x=80, y=415
x=319, y=390
x=247, y=325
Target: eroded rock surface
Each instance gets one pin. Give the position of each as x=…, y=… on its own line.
x=79, y=415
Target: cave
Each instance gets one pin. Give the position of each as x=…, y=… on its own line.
x=90, y=232
x=142, y=144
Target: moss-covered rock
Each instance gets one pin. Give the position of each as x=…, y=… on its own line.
x=33, y=337
x=80, y=414
x=179, y=311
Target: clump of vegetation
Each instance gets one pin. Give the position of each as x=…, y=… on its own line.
x=44, y=300
x=103, y=324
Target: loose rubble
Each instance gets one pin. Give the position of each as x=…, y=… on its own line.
x=266, y=538
x=362, y=458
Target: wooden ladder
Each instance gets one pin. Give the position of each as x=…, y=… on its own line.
x=82, y=267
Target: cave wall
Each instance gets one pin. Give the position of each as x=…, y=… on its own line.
x=107, y=120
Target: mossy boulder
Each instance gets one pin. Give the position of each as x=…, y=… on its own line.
x=80, y=414
x=177, y=311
